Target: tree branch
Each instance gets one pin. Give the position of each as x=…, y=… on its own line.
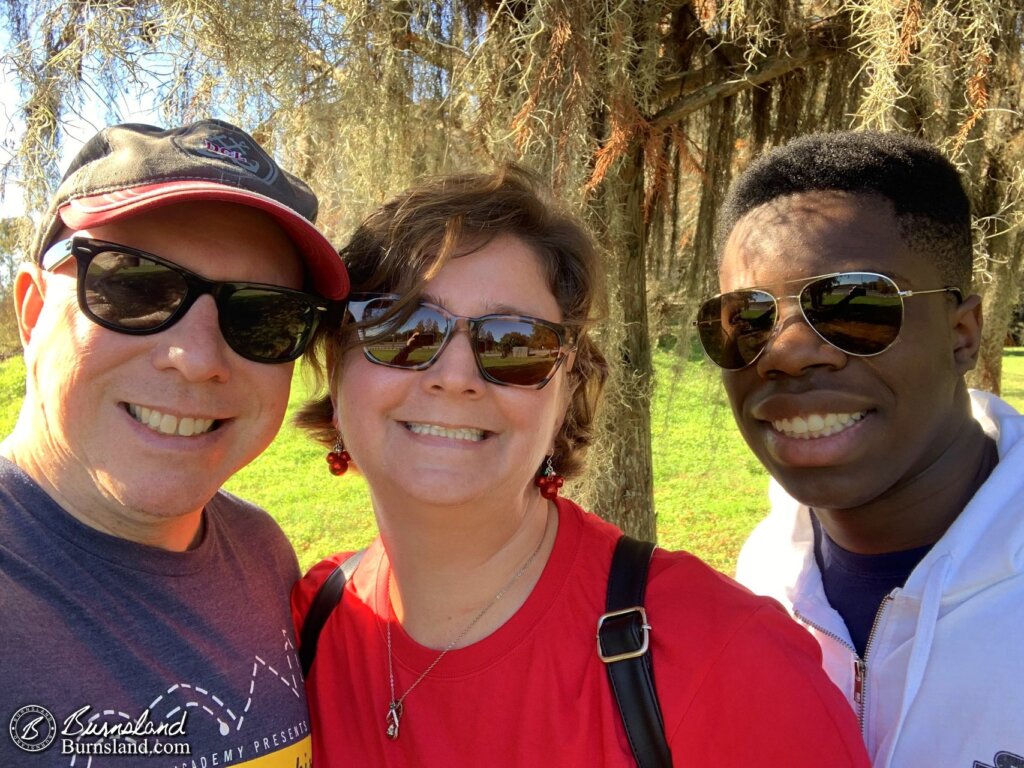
x=771, y=68
x=701, y=87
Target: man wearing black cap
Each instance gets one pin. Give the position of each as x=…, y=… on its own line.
x=176, y=277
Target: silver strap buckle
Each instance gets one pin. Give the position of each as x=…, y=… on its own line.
x=627, y=654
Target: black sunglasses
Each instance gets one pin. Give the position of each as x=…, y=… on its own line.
x=860, y=313
x=513, y=350
x=134, y=292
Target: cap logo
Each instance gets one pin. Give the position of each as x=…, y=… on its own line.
x=234, y=154
x=242, y=153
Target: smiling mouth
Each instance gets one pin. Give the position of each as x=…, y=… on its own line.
x=817, y=425
x=462, y=433
x=168, y=424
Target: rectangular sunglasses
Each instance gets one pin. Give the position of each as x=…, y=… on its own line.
x=134, y=292
x=512, y=350
x=860, y=313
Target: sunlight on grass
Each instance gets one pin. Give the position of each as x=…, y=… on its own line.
x=321, y=513
x=709, y=490
x=1013, y=377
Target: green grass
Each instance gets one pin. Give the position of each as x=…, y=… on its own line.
x=12, y=390
x=709, y=489
x=320, y=513
x=1013, y=377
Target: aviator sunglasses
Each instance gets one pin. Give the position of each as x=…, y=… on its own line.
x=134, y=292
x=512, y=350
x=860, y=313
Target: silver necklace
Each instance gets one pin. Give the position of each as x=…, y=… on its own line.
x=394, y=716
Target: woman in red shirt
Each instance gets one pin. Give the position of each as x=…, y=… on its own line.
x=462, y=384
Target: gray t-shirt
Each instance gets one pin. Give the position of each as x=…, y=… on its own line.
x=167, y=650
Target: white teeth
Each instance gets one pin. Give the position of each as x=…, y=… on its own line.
x=817, y=424
x=463, y=433
x=167, y=424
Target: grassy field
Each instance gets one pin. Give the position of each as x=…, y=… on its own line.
x=709, y=489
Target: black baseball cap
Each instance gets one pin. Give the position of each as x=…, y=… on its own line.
x=127, y=169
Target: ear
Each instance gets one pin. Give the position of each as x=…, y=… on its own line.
x=967, y=325
x=29, y=294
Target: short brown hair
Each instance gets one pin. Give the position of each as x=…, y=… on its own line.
x=408, y=240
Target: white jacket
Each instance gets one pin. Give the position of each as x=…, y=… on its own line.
x=942, y=682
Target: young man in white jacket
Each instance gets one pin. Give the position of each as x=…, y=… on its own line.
x=896, y=534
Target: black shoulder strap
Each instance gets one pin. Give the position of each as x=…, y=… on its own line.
x=326, y=598
x=623, y=645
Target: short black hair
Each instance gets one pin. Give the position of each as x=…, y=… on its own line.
x=928, y=198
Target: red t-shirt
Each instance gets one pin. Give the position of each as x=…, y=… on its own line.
x=740, y=684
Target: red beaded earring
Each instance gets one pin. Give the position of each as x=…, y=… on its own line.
x=549, y=482
x=338, y=459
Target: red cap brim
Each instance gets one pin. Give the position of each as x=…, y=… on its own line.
x=329, y=277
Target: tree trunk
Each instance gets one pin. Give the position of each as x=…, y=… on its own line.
x=1005, y=251
x=625, y=496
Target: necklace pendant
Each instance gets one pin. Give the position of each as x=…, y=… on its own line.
x=393, y=719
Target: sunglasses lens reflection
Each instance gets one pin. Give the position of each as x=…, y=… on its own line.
x=128, y=292
x=861, y=313
x=411, y=343
x=735, y=327
x=266, y=325
x=509, y=350
x=517, y=351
